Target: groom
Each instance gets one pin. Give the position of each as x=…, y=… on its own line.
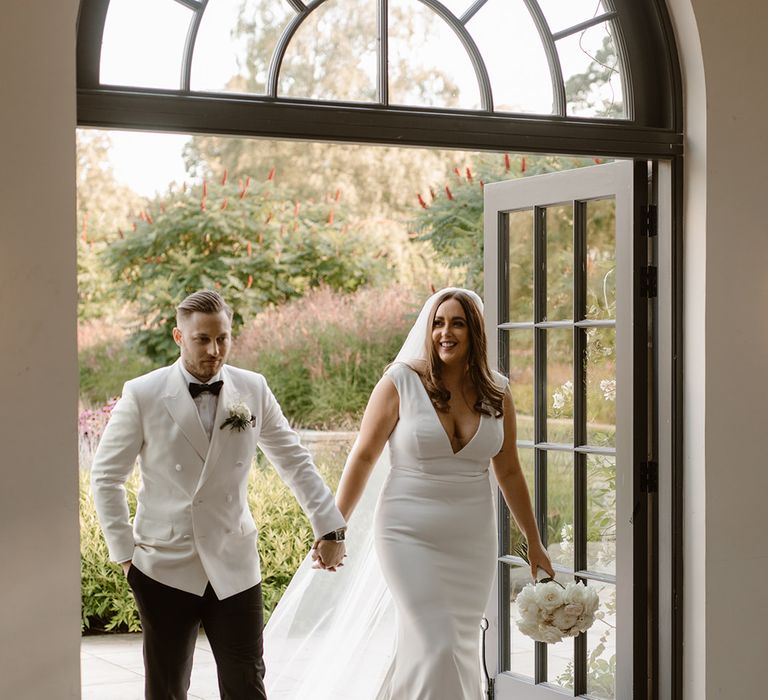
x=191, y=556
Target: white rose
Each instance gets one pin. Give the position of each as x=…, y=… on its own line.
x=240, y=410
x=549, y=595
x=550, y=635
x=529, y=628
x=579, y=594
x=526, y=600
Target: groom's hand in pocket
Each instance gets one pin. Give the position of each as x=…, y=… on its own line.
x=328, y=554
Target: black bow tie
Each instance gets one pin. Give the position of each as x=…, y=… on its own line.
x=213, y=387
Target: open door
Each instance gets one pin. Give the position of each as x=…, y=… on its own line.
x=567, y=290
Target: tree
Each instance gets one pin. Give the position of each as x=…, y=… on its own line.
x=246, y=239
x=373, y=180
x=592, y=89
x=103, y=207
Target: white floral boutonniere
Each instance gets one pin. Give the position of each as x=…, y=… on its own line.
x=239, y=417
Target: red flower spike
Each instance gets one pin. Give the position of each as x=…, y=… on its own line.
x=271, y=174
x=224, y=177
x=150, y=220
x=482, y=184
x=250, y=282
x=202, y=205
x=456, y=170
x=205, y=188
x=448, y=192
x=506, y=162
x=330, y=217
x=433, y=194
x=142, y=215
x=523, y=165
x=422, y=202
x=224, y=203
x=469, y=175
x=249, y=249
x=432, y=287
x=597, y=161
x=338, y=195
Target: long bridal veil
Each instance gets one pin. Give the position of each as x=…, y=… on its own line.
x=333, y=635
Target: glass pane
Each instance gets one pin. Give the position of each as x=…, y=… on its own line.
x=143, y=43
x=521, y=380
x=601, y=259
x=521, y=648
x=560, y=656
x=592, y=73
x=559, y=262
x=520, y=236
x=601, y=514
x=560, y=385
x=516, y=538
x=562, y=14
x=428, y=65
x=601, y=645
x=235, y=44
x=332, y=56
x=514, y=57
x=560, y=508
x=600, y=369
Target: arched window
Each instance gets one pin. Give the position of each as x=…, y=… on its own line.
x=535, y=75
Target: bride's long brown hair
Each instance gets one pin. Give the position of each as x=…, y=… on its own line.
x=490, y=399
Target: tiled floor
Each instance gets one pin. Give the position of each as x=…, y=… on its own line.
x=113, y=669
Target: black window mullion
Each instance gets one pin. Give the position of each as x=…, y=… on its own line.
x=505, y=592
x=383, y=53
x=580, y=423
x=540, y=400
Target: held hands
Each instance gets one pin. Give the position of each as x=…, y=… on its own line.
x=539, y=559
x=328, y=555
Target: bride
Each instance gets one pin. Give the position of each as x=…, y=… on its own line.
x=431, y=552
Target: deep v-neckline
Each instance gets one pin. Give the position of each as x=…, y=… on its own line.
x=440, y=423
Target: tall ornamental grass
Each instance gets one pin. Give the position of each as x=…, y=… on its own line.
x=323, y=354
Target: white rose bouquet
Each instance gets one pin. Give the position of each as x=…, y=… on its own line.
x=550, y=611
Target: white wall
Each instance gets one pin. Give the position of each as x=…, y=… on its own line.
x=726, y=350
x=726, y=355
x=39, y=563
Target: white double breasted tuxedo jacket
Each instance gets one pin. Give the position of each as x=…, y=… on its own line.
x=192, y=523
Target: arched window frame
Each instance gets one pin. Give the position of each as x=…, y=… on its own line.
x=644, y=41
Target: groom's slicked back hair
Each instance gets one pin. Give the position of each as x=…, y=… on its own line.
x=205, y=301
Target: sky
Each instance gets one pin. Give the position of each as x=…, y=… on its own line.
x=502, y=29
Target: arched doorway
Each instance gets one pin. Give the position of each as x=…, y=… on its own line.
x=643, y=125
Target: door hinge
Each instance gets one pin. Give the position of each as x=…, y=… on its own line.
x=649, y=477
x=648, y=282
x=650, y=220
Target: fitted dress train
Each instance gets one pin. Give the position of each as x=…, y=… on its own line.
x=435, y=537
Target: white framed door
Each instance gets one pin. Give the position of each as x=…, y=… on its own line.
x=567, y=290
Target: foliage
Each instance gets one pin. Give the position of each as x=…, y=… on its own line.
x=592, y=90
x=323, y=354
x=246, y=239
x=285, y=537
x=374, y=180
x=451, y=215
x=103, y=207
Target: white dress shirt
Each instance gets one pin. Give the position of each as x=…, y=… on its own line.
x=206, y=402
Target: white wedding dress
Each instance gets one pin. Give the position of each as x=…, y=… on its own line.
x=401, y=620
x=435, y=535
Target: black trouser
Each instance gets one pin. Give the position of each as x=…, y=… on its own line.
x=171, y=619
